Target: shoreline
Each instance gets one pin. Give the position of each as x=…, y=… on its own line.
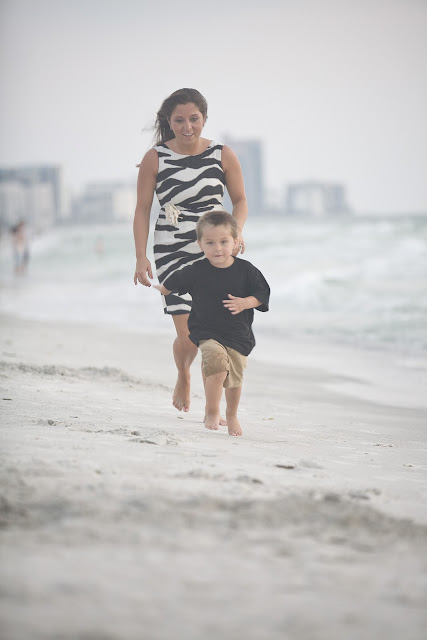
x=119, y=507
x=395, y=379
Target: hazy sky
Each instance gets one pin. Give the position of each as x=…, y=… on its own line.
x=336, y=89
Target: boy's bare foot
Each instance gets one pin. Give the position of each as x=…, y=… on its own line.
x=222, y=422
x=181, y=394
x=212, y=422
x=234, y=428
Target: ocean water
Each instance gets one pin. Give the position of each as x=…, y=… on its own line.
x=359, y=281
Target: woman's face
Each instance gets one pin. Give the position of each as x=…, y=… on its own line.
x=187, y=123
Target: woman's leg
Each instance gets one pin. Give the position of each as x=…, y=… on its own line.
x=184, y=352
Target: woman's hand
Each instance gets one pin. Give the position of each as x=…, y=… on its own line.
x=143, y=268
x=240, y=246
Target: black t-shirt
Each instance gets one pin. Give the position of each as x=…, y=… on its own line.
x=209, y=286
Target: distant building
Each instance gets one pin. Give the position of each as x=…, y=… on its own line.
x=316, y=198
x=249, y=153
x=34, y=194
x=102, y=202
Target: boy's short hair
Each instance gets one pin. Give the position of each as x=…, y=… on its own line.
x=216, y=219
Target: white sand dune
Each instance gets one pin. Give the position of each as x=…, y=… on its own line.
x=124, y=519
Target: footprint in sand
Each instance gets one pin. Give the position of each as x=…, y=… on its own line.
x=155, y=436
x=310, y=464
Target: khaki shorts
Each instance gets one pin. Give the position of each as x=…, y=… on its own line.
x=216, y=358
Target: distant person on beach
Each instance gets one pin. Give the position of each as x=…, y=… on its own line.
x=99, y=246
x=225, y=290
x=21, y=251
x=189, y=174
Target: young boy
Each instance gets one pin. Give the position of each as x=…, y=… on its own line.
x=225, y=291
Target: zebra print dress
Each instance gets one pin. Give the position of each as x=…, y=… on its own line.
x=193, y=185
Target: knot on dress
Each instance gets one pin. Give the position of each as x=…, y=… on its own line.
x=172, y=213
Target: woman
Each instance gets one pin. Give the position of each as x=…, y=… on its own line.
x=188, y=173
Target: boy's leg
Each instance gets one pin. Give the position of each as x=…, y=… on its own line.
x=215, y=366
x=213, y=392
x=232, y=395
x=222, y=421
x=233, y=389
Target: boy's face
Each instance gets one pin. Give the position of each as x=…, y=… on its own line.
x=218, y=244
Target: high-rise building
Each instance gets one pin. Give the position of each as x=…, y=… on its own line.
x=315, y=198
x=34, y=194
x=102, y=202
x=249, y=153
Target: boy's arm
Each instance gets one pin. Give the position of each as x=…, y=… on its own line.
x=237, y=305
x=180, y=282
x=162, y=289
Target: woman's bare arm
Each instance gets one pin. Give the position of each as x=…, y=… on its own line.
x=236, y=188
x=146, y=186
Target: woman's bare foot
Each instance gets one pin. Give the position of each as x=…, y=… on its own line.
x=234, y=428
x=212, y=422
x=181, y=394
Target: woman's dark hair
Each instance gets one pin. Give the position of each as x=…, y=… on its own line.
x=182, y=96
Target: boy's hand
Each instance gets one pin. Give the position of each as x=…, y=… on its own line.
x=162, y=289
x=235, y=305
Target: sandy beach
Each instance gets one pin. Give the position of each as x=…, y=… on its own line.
x=123, y=519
